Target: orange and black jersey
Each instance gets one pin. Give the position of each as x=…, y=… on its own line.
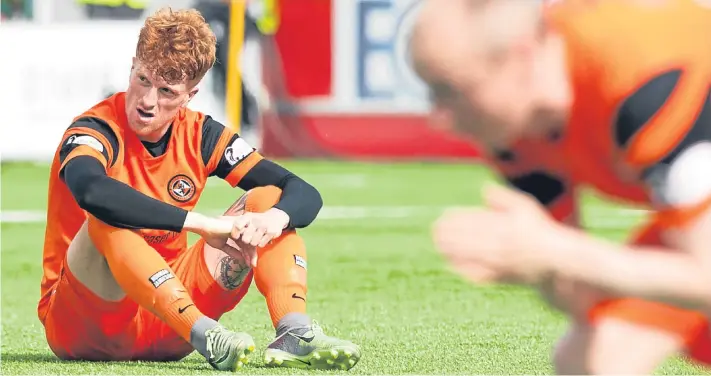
x=102, y=169
x=111, y=201
x=640, y=74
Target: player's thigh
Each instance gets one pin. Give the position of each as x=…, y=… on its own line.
x=81, y=325
x=90, y=268
x=636, y=336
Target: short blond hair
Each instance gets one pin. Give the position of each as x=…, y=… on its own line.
x=176, y=45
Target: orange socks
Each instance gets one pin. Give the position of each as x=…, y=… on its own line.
x=145, y=276
x=280, y=274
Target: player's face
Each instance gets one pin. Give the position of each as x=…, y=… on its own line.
x=492, y=97
x=152, y=103
x=490, y=100
x=524, y=92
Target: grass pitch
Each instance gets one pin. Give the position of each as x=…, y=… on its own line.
x=374, y=278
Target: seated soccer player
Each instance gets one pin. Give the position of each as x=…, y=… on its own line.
x=608, y=94
x=120, y=281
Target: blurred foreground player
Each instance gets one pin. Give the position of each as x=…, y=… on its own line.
x=614, y=94
x=120, y=282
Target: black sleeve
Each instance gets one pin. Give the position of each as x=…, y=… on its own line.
x=116, y=203
x=299, y=199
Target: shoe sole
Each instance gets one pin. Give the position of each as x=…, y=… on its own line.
x=337, y=358
x=243, y=357
x=240, y=356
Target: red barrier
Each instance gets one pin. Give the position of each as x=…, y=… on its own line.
x=298, y=68
x=360, y=137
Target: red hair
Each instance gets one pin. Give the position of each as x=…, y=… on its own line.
x=176, y=45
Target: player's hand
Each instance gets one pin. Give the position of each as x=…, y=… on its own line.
x=505, y=241
x=258, y=229
x=217, y=233
x=237, y=248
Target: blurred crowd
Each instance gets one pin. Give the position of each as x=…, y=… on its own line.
x=88, y=9
x=216, y=12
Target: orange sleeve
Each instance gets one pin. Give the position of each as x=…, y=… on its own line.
x=652, y=79
x=243, y=168
x=84, y=150
x=84, y=141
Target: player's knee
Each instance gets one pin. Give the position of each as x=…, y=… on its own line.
x=256, y=200
x=261, y=199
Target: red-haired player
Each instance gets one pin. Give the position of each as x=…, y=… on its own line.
x=120, y=281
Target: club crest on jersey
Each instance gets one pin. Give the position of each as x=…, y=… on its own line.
x=238, y=151
x=181, y=188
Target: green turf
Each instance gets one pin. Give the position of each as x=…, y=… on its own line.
x=376, y=281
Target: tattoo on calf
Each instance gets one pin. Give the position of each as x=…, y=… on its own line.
x=231, y=272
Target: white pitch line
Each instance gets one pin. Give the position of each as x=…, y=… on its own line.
x=323, y=180
x=23, y=216
x=327, y=213
x=607, y=218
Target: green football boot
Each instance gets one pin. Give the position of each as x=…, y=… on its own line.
x=309, y=348
x=228, y=350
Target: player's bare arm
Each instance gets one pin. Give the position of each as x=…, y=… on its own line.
x=674, y=170
x=557, y=194
x=680, y=274
x=553, y=191
x=525, y=241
